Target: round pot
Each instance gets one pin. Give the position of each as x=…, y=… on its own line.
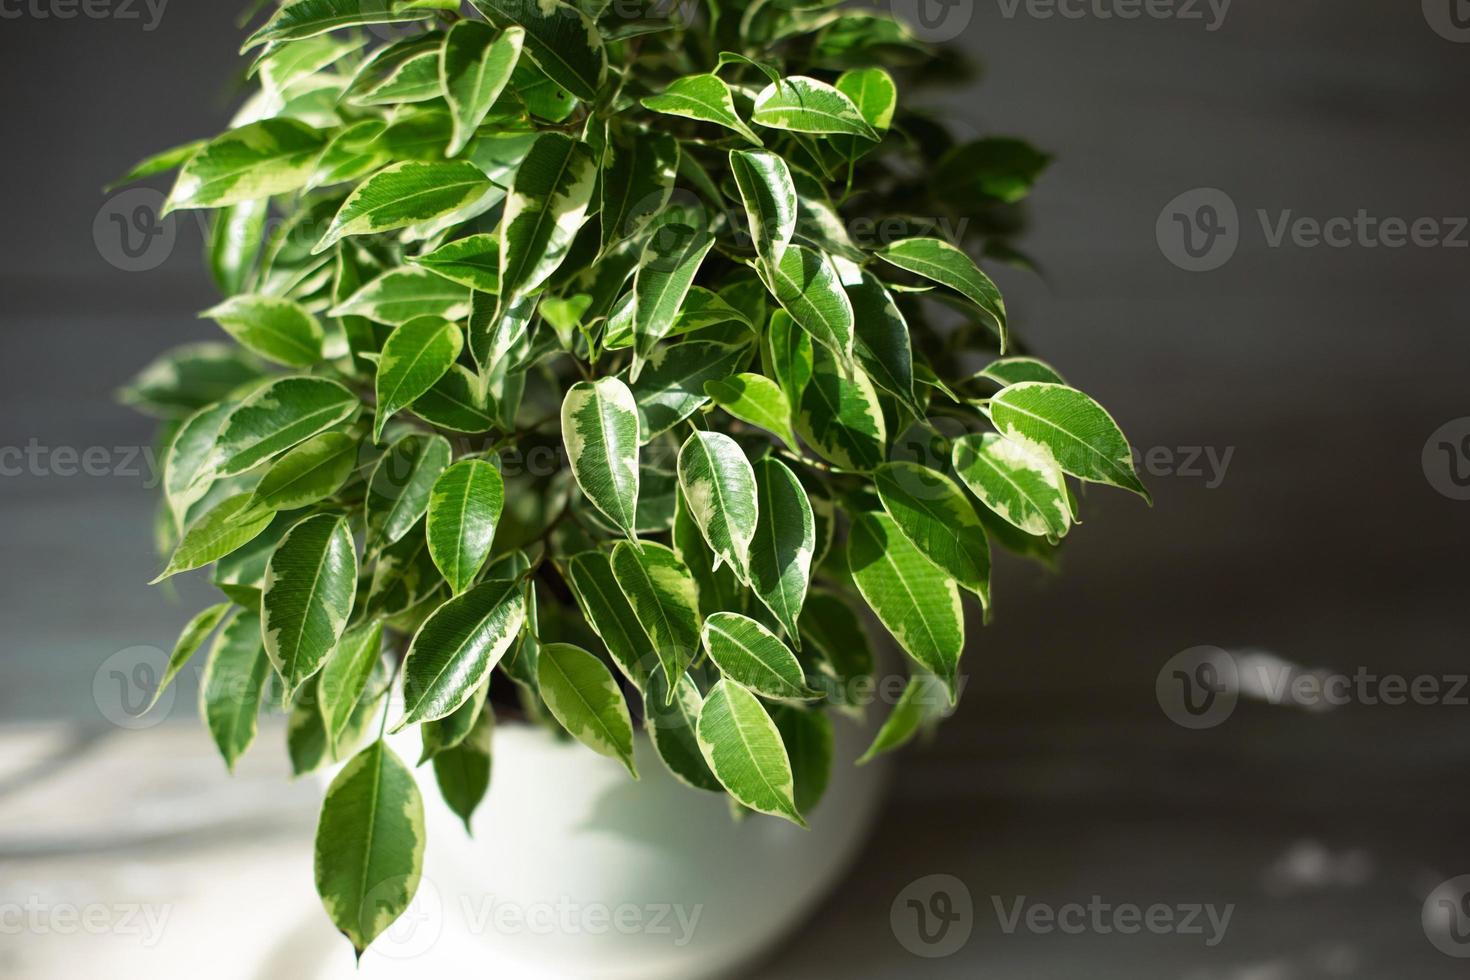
x=577, y=871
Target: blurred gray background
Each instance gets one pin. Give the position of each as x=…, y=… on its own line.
x=1326, y=541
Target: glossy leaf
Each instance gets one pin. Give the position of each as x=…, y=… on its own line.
x=475, y=65
x=703, y=97
x=415, y=356
x=406, y=294
x=744, y=750
x=806, y=105
x=310, y=585
x=941, y=262
x=581, y=693
x=401, y=485
x=546, y=206
x=562, y=40
x=464, y=507
x=840, y=415
x=273, y=156
x=404, y=194
x=671, y=723
x=1078, y=433
x=599, y=424
x=662, y=595
x=272, y=327
x=230, y=524
x=670, y=260
x=455, y=649
x=755, y=399
x=311, y=472
x=233, y=686
x=611, y=616
x=1015, y=480
x=808, y=288
x=276, y=417
x=637, y=178
x=753, y=657
x=769, y=197
x=308, y=18
x=195, y=632
x=935, y=516
x=463, y=771
x=785, y=541
x=345, y=676
x=719, y=485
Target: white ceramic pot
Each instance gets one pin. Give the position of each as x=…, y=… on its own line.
x=576, y=871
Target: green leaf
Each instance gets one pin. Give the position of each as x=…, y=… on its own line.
x=562, y=40
x=464, y=507
x=458, y=645
x=671, y=387
x=405, y=294
x=188, y=378
x=805, y=105
x=671, y=725
x=1078, y=433
x=458, y=402
x=311, y=472
x=159, y=163
x=581, y=693
x=472, y=262
x=882, y=341
x=753, y=657
x=274, y=418
x=924, y=701
x=463, y=772
x=807, y=286
x=844, y=658
x=935, y=516
x=415, y=356
x=807, y=735
x=791, y=355
x=546, y=206
x=495, y=332
x=233, y=686
x=186, y=457
x=1014, y=370
x=997, y=167
x=599, y=424
x=404, y=194
x=661, y=592
x=403, y=481
x=666, y=270
x=310, y=584
x=764, y=182
x=415, y=79
x=840, y=415
x=1016, y=480
x=476, y=64
x=443, y=734
x=235, y=243
x=941, y=262
x=611, y=617
x=785, y=541
x=873, y=93
x=345, y=676
x=228, y=525
x=195, y=632
x=719, y=485
x=308, y=18
x=637, y=178
x=262, y=159
x=744, y=750
x=755, y=399
x=369, y=844
x=703, y=97
x=914, y=599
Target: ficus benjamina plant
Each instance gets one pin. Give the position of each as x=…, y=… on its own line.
x=595, y=364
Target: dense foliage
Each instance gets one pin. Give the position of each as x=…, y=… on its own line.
x=598, y=363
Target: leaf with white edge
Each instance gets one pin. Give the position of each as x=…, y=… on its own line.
x=414, y=356
x=464, y=507
x=472, y=262
x=671, y=725
x=581, y=693
x=311, y=472
x=757, y=400
x=806, y=285
x=456, y=648
x=914, y=599
x=195, y=632
x=662, y=594
x=807, y=735
x=1018, y=481
x=936, y=517
x=310, y=585
x=719, y=486
x=370, y=844
x=939, y=261
x=463, y=772
x=546, y=206
x=309, y=18
x=785, y=541
x=458, y=402
x=230, y=524
x=873, y=93
x=754, y=657
x=666, y=270
x=599, y=424
x=276, y=417
x=495, y=332
x=1014, y=370
x=611, y=617
x=637, y=179
x=273, y=156
x=671, y=387
x=475, y=65
x=185, y=379
x=233, y=686
x=563, y=41
x=187, y=455
x=882, y=339
x=402, y=295
x=415, y=79
x=703, y=97
x=1078, y=432
x=924, y=701
x=272, y=327
x=764, y=182
x=744, y=750
x=401, y=484
x=840, y=415
x=403, y=194
x=345, y=676
x=443, y=734
x=805, y=105
x=159, y=163
x=791, y=354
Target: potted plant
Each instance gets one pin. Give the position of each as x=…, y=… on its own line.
x=598, y=366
